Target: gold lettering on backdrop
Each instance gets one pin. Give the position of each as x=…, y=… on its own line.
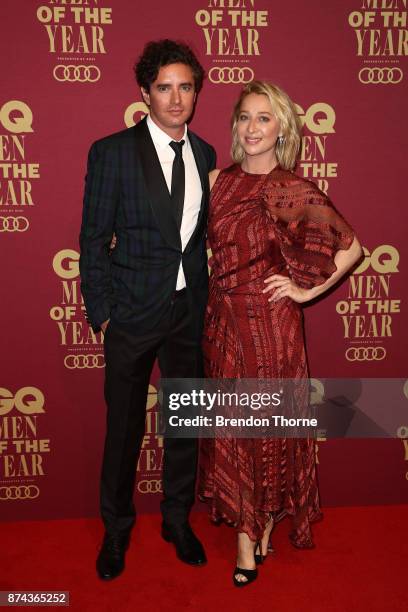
x=17, y=427
x=21, y=448
x=232, y=35
x=66, y=263
x=380, y=28
x=62, y=39
x=368, y=311
x=16, y=117
x=75, y=30
x=74, y=333
x=406, y=449
x=16, y=173
x=73, y=2
x=228, y=31
x=28, y=400
x=402, y=433
x=318, y=122
x=151, y=455
x=138, y=109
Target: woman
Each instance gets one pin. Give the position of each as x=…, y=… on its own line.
x=277, y=242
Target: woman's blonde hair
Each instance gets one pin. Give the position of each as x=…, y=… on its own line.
x=288, y=147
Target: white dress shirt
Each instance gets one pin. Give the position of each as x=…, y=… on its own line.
x=193, y=190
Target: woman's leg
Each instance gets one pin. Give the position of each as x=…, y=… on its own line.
x=245, y=556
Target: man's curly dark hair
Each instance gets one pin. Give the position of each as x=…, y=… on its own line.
x=162, y=53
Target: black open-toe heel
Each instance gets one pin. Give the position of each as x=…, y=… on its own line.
x=250, y=575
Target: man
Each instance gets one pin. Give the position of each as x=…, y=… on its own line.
x=148, y=185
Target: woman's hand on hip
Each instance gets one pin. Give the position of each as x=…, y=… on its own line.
x=282, y=286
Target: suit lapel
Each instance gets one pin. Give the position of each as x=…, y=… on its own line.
x=156, y=186
x=203, y=172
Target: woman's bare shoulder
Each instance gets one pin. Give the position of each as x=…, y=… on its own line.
x=213, y=175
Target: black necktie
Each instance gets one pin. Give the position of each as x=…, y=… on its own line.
x=178, y=181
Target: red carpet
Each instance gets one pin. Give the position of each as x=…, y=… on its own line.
x=360, y=563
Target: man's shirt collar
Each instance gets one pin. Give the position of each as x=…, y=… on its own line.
x=160, y=138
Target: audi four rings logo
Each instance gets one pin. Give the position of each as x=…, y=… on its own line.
x=366, y=353
x=21, y=492
x=82, y=362
x=79, y=74
x=150, y=486
x=231, y=75
x=375, y=76
x=14, y=224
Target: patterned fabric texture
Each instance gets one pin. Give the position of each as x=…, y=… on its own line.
x=260, y=225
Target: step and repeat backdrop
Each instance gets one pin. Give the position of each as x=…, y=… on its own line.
x=67, y=80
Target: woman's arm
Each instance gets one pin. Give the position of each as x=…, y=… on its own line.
x=282, y=286
x=213, y=176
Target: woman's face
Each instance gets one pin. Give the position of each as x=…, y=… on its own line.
x=257, y=126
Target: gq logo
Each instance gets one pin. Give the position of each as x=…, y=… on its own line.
x=132, y=109
x=16, y=117
x=151, y=397
x=28, y=400
x=383, y=259
x=66, y=264
x=319, y=118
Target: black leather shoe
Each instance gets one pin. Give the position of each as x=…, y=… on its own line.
x=111, y=559
x=188, y=547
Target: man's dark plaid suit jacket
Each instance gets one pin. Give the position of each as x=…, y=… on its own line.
x=126, y=194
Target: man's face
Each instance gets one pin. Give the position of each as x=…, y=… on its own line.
x=171, y=98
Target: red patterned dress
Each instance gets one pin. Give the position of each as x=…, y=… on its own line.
x=260, y=224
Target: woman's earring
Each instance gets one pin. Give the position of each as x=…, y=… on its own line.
x=281, y=141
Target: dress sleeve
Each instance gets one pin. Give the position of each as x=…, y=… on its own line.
x=310, y=231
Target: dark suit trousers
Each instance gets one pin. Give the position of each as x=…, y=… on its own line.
x=129, y=360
